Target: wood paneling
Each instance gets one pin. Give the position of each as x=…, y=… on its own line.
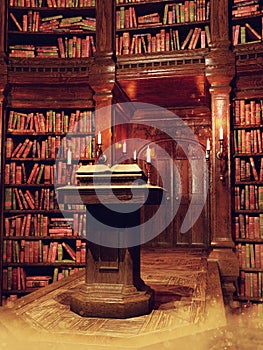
x=168, y=92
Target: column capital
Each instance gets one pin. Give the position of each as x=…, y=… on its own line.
x=220, y=65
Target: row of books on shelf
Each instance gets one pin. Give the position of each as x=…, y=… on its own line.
x=41, y=199
x=245, y=8
x=245, y=34
x=248, y=197
x=118, y=2
x=189, y=11
x=74, y=47
x=42, y=174
x=16, y=279
x=50, y=121
x=250, y=255
x=248, y=227
x=251, y=285
x=52, y=147
x=31, y=21
x=36, y=251
x=248, y=169
x=247, y=113
x=248, y=141
x=162, y=41
x=40, y=225
x=52, y=3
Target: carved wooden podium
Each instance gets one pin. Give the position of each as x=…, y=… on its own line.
x=114, y=198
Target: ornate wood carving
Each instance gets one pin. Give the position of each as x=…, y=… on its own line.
x=30, y=71
x=136, y=66
x=220, y=66
x=40, y=96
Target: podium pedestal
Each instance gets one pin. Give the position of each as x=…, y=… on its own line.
x=113, y=287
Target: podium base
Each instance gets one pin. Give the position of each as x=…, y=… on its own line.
x=110, y=301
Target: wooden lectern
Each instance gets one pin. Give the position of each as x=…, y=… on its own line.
x=114, y=198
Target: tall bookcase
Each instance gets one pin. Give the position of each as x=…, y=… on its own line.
x=39, y=244
x=46, y=136
x=247, y=164
x=248, y=196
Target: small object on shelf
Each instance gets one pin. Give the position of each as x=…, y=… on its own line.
x=100, y=156
x=148, y=168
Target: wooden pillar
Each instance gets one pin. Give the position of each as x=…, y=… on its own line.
x=102, y=77
x=3, y=85
x=2, y=27
x=220, y=70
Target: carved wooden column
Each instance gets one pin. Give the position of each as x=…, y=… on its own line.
x=220, y=70
x=2, y=26
x=102, y=78
x=3, y=85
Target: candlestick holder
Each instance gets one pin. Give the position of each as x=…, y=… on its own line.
x=148, y=168
x=221, y=156
x=69, y=173
x=207, y=155
x=100, y=156
x=220, y=153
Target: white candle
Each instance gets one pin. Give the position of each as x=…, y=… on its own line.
x=69, y=157
x=148, y=155
x=99, y=138
x=124, y=148
x=208, y=145
x=221, y=136
x=134, y=155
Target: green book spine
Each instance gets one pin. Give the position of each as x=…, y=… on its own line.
x=261, y=226
x=60, y=252
x=252, y=255
x=260, y=197
x=247, y=255
x=9, y=277
x=208, y=36
x=8, y=198
x=55, y=274
x=181, y=13
x=122, y=16
x=191, y=11
x=260, y=284
x=39, y=175
x=242, y=35
x=251, y=285
x=165, y=14
x=40, y=251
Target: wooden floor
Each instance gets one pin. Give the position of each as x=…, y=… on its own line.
x=188, y=300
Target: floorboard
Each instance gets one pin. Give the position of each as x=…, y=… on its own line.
x=188, y=300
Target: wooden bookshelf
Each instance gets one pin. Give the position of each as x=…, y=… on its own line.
x=164, y=26
x=247, y=22
x=247, y=187
x=45, y=30
x=36, y=235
